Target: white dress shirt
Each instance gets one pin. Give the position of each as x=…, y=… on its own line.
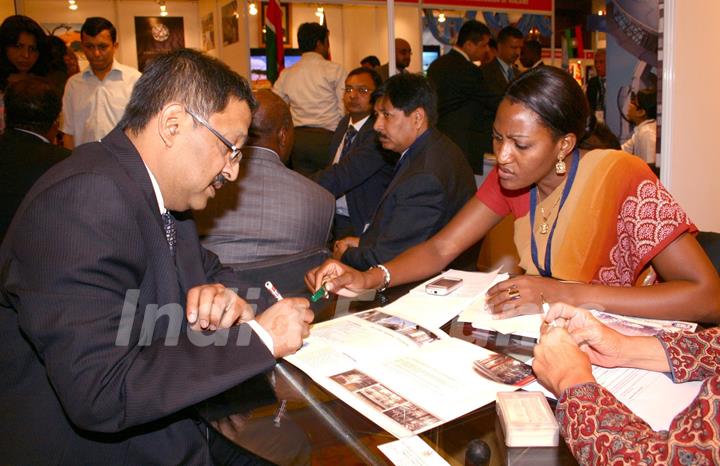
x=643, y=142
x=341, y=207
x=313, y=88
x=91, y=107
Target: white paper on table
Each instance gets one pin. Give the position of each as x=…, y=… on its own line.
x=404, y=388
x=474, y=284
x=435, y=311
x=411, y=451
x=477, y=307
x=432, y=311
x=651, y=395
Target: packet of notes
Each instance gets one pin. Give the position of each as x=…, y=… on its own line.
x=527, y=420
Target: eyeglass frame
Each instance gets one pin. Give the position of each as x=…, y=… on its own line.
x=235, y=153
x=361, y=90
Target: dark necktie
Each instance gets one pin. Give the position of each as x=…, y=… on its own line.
x=170, y=234
x=349, y=138
x=510, y=74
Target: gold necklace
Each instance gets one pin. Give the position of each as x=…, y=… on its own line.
x=544, y=228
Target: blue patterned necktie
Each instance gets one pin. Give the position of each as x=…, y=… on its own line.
x=510, y=74
x=170, y=233
x=349, y=138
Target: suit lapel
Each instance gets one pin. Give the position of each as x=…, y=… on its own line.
x=338, y=135
x=141, y=192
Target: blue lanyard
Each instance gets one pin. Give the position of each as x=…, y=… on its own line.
x=547, y=271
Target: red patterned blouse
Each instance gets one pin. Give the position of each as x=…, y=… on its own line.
x=600, y=430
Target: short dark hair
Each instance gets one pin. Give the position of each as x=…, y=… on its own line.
x=10, y=31
x=408, y=92
x=509, y=32
x=534, y=47
x=309, y=34
x=94, y=25
x=647, y=100
x=33, y=104
x=472, y=31
x=492, y=43
x=556, y=98
x=377, y=79
x=202, y=83
x=371, y=60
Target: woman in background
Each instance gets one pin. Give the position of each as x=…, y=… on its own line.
x=24, y=51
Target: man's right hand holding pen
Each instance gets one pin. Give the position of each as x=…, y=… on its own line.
x=342, y=279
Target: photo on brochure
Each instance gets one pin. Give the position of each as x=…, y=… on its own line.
x=504, y=369
x=404, y=327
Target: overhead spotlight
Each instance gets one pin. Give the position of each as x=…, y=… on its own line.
x=441, y=17
x=72, y=5
x=320, y=13
x=252, y=9
x=163, y=8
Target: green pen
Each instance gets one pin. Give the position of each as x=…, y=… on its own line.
x=319, y=294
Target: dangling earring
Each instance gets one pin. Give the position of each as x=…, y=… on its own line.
x=560, y=167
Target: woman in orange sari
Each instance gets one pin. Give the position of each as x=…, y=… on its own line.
x=589, y=222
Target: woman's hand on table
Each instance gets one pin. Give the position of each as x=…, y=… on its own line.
x=522, y=295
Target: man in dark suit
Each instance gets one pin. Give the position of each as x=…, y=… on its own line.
x=271, y=211
x=432, y=179
x=32, y=107
x=462, y=92
x=361, y=169
x=497, y=74
x=596, y=87
x=531, y=55
x=108, y=303
x=403, y=55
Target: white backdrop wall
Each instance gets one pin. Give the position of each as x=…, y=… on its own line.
x=691, y=100
x=121, y=14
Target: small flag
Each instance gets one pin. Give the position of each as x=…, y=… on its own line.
x=579, y=42
x=274, y=50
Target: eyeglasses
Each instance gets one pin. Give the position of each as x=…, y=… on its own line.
x=362, y=90
x=235, y=154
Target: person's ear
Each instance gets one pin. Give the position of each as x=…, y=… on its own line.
x=418, y=117
x=169, y=122
x=567, y=143
x=283, y=137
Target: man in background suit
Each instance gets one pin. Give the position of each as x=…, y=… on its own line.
x=498, y=74
x=104, y=293
x=271, y=211
x=403, y=55
x=432, y=179
x=531, y=55
x=32, y=107
x=361, y=169
x=596, y=86
x=462, y=92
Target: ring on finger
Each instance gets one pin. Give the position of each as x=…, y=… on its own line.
x=513, y=294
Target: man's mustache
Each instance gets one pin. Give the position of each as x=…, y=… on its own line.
x=219, y=181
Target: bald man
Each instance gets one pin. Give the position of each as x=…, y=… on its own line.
x=403, y=55
x=271, y=210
